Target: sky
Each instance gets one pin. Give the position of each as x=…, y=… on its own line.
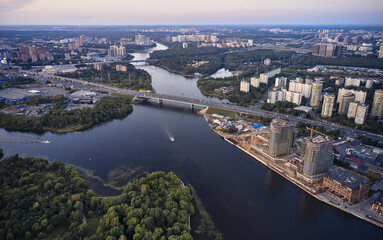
x=191, y=12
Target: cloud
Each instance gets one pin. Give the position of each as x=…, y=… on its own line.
x=13, y=5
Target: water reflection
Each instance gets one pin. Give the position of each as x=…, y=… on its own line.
x=274, y=185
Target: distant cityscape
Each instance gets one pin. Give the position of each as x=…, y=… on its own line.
x=304, y=102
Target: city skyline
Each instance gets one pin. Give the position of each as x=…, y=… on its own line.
x=118, y=12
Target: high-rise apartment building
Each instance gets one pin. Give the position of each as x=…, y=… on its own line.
x=118, y=51
x=244, y=86
x=142, y=40
x=338, y=51
x=369, y=83
x=318, y=157
x=121, y=68
x=78, y=41
x=316, y=93
x=254, y=82
x=352, y=82
x=263, y=78
x=360, y=96
x=351, y=113
x=339, y=81
x=381, y=51
x=328, y=105
x=361, y=113
x=345, y=101
x=294, y=97
x=327, y=50
x=67, y=56
x=282, y=136
x=275, y=95
x=280, y=82
x=298, y=86
x=377, y=104
x=97, y=66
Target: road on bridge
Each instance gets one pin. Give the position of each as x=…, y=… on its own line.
x=204, y=103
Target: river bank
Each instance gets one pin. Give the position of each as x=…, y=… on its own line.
x=174, y=71
x=321, y=196
x=59, y=120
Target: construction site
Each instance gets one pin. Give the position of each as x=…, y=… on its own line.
x=307, y=162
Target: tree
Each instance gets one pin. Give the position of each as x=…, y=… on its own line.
x=83, y=229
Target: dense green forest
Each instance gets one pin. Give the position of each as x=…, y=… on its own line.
x=301, y=61
x=304, y=132
x=247, y=60
x=51, y=201
x=59, y=120
x=179, y=59
x=154, y=207
x=207, y=86
x=281, y=107
x=132, y=79
x=37, y=198
x=16, y=81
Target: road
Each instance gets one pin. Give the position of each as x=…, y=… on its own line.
x=204, y=103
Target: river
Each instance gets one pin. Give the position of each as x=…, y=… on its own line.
x=244, y=199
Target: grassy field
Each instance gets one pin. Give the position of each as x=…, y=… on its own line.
x=92, y=225
x=221, y=112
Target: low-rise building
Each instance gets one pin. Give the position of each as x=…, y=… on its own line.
x=345, y=186
x=224, y=90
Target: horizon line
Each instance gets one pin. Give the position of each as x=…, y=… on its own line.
x=217, y=24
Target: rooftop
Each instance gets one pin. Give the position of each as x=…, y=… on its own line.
x=346, y=178
x=378, y=161
x=281, y=123
x=320, y=139
x=379, y=199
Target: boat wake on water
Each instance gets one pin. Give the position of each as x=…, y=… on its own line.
x=168, y=133
x=23, y=139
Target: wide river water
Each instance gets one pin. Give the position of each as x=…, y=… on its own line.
x=244, y=199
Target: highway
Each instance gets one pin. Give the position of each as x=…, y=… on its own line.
x=204, y=103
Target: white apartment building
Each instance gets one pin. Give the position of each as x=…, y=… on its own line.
x=294, y=97
x=304, y=89
x=244, y=86
x=360, y=96
x=352, y=82
x=254, y=81
x=281, y=82
x=263, y=78
x=275, y=96
x=369, y=83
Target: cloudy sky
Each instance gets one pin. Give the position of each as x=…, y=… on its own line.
x=177, y=12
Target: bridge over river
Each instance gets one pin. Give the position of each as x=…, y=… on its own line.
x=204, y=103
